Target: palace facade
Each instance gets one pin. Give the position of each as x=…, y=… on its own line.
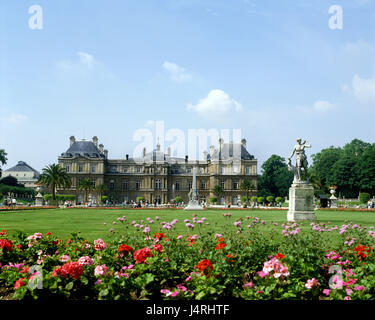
x=158, y=176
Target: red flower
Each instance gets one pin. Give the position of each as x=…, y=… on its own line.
x=141, y=255
x=220, y=245
x=125, y=249
x=6, y=245
x=362, y=250
x=229, y=256
x=20, y=282
x=159, y=235
x=70, y=269
x=158, y=247
x=25, y=270
x=220, y=239
x=279, y=256
x=3, y=233
x=204, y=264
x=19, y=246
x=48, y=233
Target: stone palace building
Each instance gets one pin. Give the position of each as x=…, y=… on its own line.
x=158, y=176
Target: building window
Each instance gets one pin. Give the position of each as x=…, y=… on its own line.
x=235, y=169
x=203, y=185
x=177, y=185
x=188, y=169
x=157, y=184
x=201, y=170
x=125, y=185
x=235, y=185
x=190, y=184
x=80, y=168
x=93, y=168
x=111, y=185
x=138, y=169
x=222, y=170
x=93, y=184
x=137, y=185
x=222, y=184
x=67, y=168
x=247, y=169
x=125, y=170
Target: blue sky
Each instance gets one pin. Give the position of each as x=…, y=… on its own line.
x=273, y=69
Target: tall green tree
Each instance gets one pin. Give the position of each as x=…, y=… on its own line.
x=53, y=177
x=86, y=185
x=366, y=169
x=101, y=189
x=275, y=178
x=247, y=186
x=218, y=191
x=3, y=159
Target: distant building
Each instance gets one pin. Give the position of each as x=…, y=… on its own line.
x=158, y=176
x=24, y=174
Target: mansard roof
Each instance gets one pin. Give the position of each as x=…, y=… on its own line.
x=231, y=150
x=83, y=148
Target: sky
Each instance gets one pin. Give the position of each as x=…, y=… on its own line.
x=275, y=70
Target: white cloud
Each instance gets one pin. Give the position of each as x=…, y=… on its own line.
x=176, y=72
x=217, y=101
x=323, y=106
x=86, y=61
x=15, y=119
x=364, y=89
x=86, y=58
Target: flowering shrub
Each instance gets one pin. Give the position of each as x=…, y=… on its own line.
x=260, y=261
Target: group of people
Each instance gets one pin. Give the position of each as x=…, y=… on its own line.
x=8, y=202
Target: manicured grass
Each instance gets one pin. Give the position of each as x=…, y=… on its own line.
x=90, y=222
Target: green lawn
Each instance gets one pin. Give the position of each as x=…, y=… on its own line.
x=90, y=222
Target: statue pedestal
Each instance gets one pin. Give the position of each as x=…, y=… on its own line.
x=333, y=202
x=301, y=206
x=38, y=200
x=193, y=205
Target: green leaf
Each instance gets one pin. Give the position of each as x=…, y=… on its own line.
x=200, y=295
x=104, y=292
x=69, y=286
x=84, y=280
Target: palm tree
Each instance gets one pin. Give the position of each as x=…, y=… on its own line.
x=101, y=188
x=54, y=176
x=3, y=158
x=247, y=186
x=218, y=191
x=86, y=185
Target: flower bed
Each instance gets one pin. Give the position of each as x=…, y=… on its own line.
x=146, y=259
x=16, y=208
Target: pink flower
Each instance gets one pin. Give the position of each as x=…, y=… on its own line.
x=347, y=298
x=101, y=270
x=85, y=261
x=359, y=288
x=327, y=292
x=248, y=285
x=175, y=293
x=179, y=237
x=181, y=287
x=262, y=274
x=99, y=245
x=312, y=283
x=64, y=258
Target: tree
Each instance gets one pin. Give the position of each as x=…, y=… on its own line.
x=54, y=176
x=345, y=177
x=270, y=199
x=247, y=186
x=366, y=168
x=275, y=178
x=321, y=171
x=364, y=197
x=101, y=189
x=3, y=158
x=178, y=200
x=9, y=181
x=86, y=185
x=218, y=191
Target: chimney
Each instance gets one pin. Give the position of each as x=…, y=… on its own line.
x=169, y=151
x=101, y=147
x=95, y=140
x=243, y=142
x=221, y=143
x=144, y=151
x=186, y=158
x=127, y=157
x=72, y=140
x=204, y=155
x=212, y=150
x=106, y=154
